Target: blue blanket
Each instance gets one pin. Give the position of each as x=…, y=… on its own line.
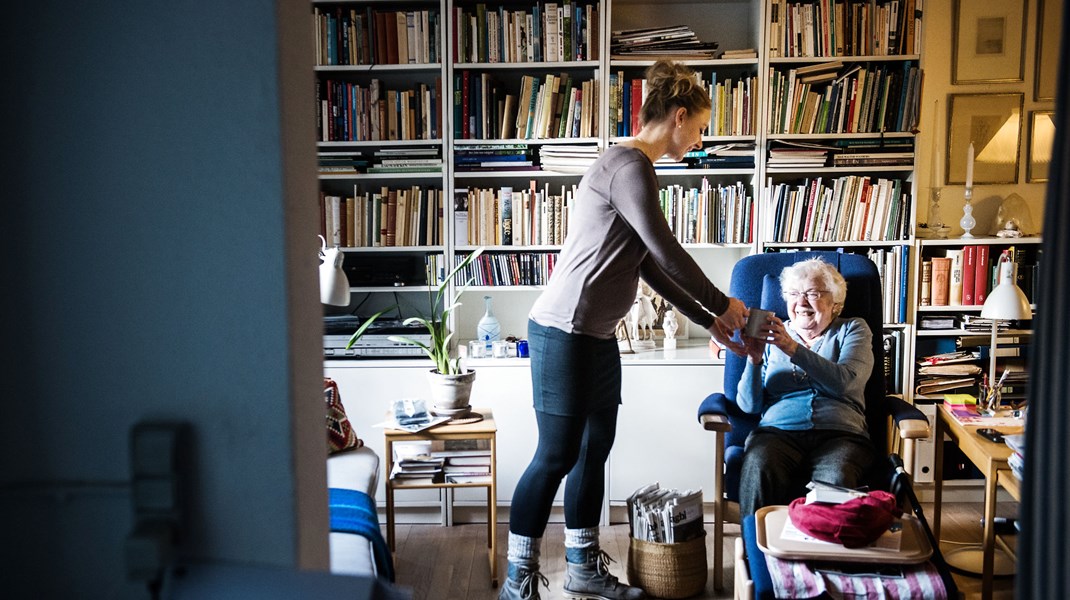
x=353, y=511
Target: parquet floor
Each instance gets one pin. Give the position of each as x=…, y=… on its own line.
x=449, y=563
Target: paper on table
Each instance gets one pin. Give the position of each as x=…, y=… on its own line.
x=890, y=540
x=414, y=427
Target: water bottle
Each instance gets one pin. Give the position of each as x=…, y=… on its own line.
x=488, y=330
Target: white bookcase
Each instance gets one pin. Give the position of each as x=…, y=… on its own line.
x=661, y=393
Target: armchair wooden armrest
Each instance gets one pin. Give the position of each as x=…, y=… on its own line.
x=715, y=422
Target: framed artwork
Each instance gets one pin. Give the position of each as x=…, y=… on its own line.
x=1041, y=138
x=1049, y=19
x=993, y=124
x=989, y=41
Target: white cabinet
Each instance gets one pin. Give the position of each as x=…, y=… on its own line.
x=658, y=437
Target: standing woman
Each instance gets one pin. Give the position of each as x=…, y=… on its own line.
x=617, y=234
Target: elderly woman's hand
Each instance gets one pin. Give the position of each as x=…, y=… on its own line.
x=778, y=336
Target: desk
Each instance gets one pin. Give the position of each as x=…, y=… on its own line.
x=991, y=459
x=483, y=430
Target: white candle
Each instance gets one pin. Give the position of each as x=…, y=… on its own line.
x=969, y=166
x=937, y=159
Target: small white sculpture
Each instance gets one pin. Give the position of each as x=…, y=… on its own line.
x=669, y=324
x=1013, y=218
x=642, y=316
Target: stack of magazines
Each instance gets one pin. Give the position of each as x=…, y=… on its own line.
x=665, y=516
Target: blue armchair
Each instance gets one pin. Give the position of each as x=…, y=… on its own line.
x=755, y=281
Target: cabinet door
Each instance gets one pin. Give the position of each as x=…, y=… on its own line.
x=658, y=434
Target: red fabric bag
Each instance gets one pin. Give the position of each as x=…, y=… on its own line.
x=855, y=523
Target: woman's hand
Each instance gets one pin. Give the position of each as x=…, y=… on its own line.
x=778, y=335
x=734, y=317
x=724, y=338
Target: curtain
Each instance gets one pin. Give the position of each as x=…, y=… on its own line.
x=1045, y=508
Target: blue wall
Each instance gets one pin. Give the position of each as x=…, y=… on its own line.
x=152, y=202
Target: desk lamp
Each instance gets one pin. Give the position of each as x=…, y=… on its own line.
x=334, y=285
x=1005, y=302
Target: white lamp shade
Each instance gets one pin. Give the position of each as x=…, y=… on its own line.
x=334, y=285
x=1006, y=301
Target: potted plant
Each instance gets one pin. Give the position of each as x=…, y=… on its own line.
x=450, y=388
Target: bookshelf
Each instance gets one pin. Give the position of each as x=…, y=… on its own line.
x=862, y=156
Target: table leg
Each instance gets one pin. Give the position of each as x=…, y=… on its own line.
x=938, y=473
x=492, y=515
x=389, y=496
x=990, y=536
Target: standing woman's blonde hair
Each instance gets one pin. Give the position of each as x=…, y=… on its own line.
x=670, y=86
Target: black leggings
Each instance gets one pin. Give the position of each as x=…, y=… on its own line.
x=573, y=446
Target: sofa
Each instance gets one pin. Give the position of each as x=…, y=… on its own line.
x=356, y=469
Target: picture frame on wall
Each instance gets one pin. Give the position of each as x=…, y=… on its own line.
x=1049, y=20
x=1041, y=138
x=993, y=123
x=989, y=41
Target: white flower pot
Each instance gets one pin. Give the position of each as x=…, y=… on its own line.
x=450, y=394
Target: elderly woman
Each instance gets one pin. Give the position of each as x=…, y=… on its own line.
x=806, y=376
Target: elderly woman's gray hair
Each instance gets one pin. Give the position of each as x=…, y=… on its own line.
x=793, y=276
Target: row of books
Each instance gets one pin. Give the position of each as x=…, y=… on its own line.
x=506, y=217
x=550, y=32
x=893, y=264
x=732, y=111
x=864, y=99
x=665, y=516
x=441, y=461
x=893, y=360
x=844, y=28
x=675, y=41
x=354, y=36
x=964, y=276
x=709, y=215
x=389, y=217
x=848, y=208
x=513, y=268
x=554, y=107
x=568, y=159
x=350, y=112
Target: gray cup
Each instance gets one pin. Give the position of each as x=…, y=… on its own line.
x=757, y=318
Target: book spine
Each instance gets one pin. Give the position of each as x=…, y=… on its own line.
x=980, y=276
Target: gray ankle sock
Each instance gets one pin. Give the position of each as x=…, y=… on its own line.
x=523, y=554
x=579, y=543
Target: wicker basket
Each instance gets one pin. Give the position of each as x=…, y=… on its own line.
x=668, y=570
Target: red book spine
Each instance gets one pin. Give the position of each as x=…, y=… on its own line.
x=637, y=105
x=969, y=265
x=980, y=276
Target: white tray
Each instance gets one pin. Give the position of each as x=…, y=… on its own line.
x=914, y=546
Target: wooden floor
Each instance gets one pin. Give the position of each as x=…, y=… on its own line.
x=440, y=563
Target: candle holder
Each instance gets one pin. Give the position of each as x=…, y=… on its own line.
x=935, y=221
x=967, y=222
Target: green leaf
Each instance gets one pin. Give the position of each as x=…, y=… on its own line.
x=364, y=327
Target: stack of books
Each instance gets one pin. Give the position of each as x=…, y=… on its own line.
x=739, y=53
x=723, y=156
x=494, y=157
x=341, y=163
x=677, y=41
x=414, y=464
x=1016, y=442
x=798, y=154
x=567, y=159
x=407, y=160
x=465, y=461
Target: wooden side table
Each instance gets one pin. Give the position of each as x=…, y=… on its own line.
x=482, y=430
x=991, y=459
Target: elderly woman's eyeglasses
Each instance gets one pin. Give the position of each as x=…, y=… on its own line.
x=811, y=295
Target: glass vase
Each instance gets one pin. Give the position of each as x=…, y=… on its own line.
x=488, y=330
